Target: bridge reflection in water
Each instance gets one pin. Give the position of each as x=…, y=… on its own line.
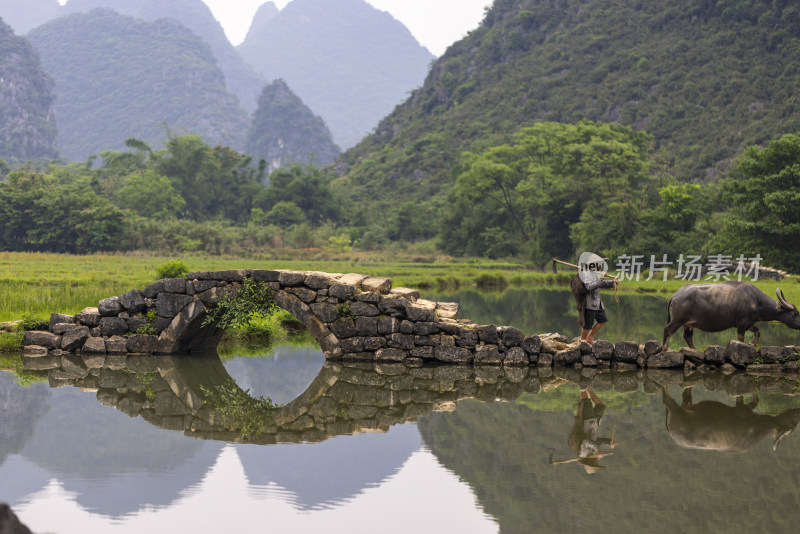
x=171, y=392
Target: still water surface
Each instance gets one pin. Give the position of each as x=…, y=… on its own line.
x=466, y=450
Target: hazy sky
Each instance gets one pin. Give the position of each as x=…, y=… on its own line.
x=435, y=23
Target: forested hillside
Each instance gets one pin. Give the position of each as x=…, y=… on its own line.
x=119, y=77
x=348, y=62
x=284, y=131
x=704, y=78
x=27, y=127
x=240, y=78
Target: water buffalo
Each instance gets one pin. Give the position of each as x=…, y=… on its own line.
x=717, y=307
x=712, y=425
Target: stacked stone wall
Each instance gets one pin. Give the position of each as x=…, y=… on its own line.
x=358, y=318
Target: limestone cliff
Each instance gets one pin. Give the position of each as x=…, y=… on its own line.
x=284, y=130
x=27, y=126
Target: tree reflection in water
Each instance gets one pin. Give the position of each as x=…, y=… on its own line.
x=495, y=428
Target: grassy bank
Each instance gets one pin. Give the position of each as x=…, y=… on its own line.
x=39, y=284
x=35, y=284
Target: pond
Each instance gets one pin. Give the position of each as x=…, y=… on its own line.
x=363, y=447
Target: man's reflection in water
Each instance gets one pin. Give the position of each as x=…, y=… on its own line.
x=583, y=440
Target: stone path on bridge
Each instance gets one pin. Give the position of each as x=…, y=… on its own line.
x=359, y=318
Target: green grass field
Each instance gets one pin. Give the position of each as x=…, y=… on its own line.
x=36, y=284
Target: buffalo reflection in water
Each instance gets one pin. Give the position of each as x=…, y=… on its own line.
x=712, y=425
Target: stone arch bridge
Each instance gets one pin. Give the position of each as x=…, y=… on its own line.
x=355, y=317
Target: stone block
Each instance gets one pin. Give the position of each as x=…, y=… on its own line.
x=771, y=354
x=342, y=291
x=366, y=326
x=95, y=345
x=400, y=341
x=651, y=347
x=374, y=343
x=75, y=338
x=453, y=354
x=364, y=309
x=714, y=354
x=176, y=336
x=110, y=306
x=60, y=318
x=516, y=357
x=113, y=326
x=152, y=291
x=510, y=336
x=388, y=325
x=488, y=355
x=571, y=356
x=169, y=305
x=236, y=275
x=390, y=355
x=380, y=285
x=42, y=338
x=371, y=297
x=352, y=344
x=425, y=329
x=343, y=328
x=740, y=354
x=408, y=294
x=467, y=338
x=142, y=344
x=394, y=306
x=603, y=350
x=60, y=328
x=428, y=341
x=324, y=311
x=626, y=351
x=88, y=317
x=589, y=360
x=425, y=353
x=488, y=333
x=304, y=294
x=116, y=345
x=135, y=323
x=133, y=301
x=417, y=314
x=693, y=355
x=531, y=344
x=291, y=278
x=551, y=345
x=265, y=275
x=318, y=280
x=668, y=359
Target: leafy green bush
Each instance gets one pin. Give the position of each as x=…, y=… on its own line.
x=31, y=322
x=172, y=269
x=238, y=308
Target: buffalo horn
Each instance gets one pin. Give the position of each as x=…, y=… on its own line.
x=783, y=301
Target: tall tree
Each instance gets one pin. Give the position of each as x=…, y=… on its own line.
x=764, y=189
x=555, y=188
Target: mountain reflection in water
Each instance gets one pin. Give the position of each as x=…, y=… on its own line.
x=448, y=446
